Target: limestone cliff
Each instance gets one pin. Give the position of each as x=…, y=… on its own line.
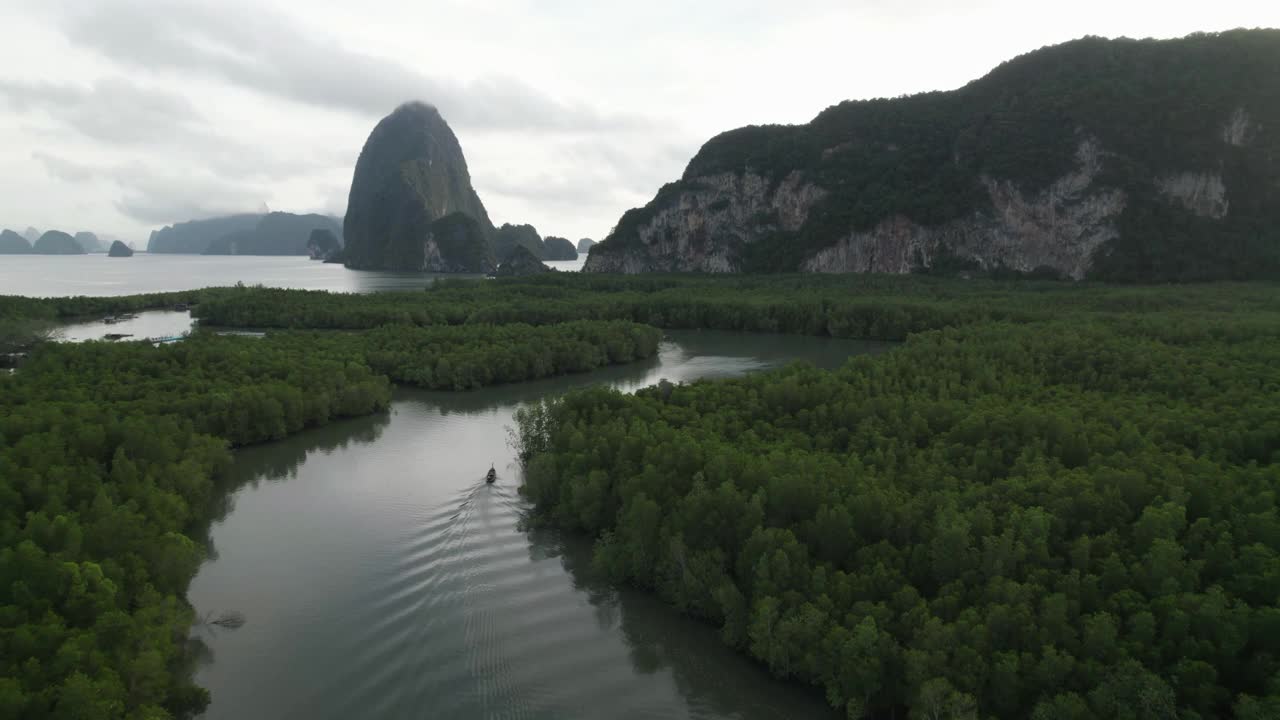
x=119, y=249
x=1095, y=158
x=1058, y=228
x=410, y=174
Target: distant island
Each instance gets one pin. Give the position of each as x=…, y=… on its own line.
x=558, y=248
x=11, y=243
x=56, y=242
x=119, y=249
x=274, y=233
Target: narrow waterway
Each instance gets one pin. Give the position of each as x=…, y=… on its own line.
x=381, y=578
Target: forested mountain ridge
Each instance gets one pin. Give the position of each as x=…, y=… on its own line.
x=1115, y=159
x=276, y=233
x=195, y=236
x=273, y=233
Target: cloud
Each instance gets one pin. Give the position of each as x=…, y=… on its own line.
x=255, y=48
x=64, y=169
x=112, y=110
x=162, y=198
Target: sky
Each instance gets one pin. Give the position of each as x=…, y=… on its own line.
x=121, y=116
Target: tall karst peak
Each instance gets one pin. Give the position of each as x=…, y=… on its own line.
x=410, y=174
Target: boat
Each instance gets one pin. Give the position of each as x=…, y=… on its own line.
x=491, y=476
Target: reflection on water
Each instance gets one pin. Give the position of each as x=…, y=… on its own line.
x=383, y=579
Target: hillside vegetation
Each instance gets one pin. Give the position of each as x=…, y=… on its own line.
x=1157, y=110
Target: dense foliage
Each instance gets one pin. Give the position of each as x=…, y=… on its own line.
x=1054, y=501
x=474, y=356
x=853, y=306
x=108, y=455
x=1069, y=518
x=1156, y=107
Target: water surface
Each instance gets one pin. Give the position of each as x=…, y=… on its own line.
x=100, y=275
x=381, y=578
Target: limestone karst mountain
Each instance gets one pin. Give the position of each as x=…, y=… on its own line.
x=411, y=173
x=1112, y=159
x=56, y=242
x=508, y=237
x=11, y=243
x=558, y=248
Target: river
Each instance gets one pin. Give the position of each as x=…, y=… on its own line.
x=381, y=578
x=97, y=274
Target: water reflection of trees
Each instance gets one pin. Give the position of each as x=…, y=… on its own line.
x=485, y=400
x=707, y=674
x=679, y=347
x=280, y=460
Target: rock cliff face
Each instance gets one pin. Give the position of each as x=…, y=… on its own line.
x=410, y=174
x=1058, y=228
x=11, y=243
x=706, y=227
x=56, y=242
x=119, y=249
x=585, y=245
x=1149, y=173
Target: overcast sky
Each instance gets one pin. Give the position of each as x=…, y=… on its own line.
x=120, y=116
